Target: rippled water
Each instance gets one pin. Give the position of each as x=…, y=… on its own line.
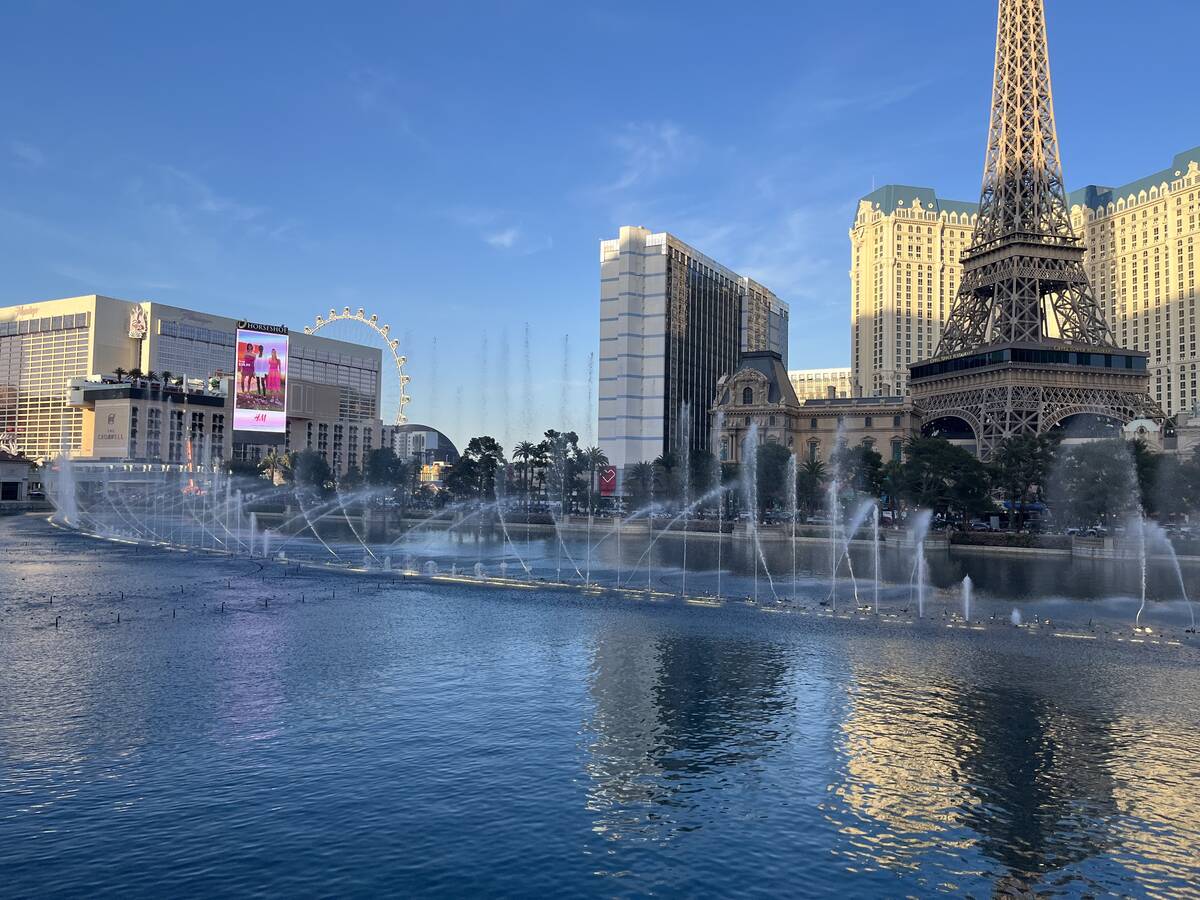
x=332, y=735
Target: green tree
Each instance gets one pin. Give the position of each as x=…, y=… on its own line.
x=525, y=453
x=731, y=479
x=562, y=467
x=474, y=475
x=1020, y=466
x=703, y=471
x=891, y=484
x=274, y=464
x=595, y=459
x=639, y=484
x=772, y=476
x=244, y=468
x=383, y=468
x=1145, y=465
x=120, y=374
x=1095, y=482
x=311, y=472
x=946, y=478
x=668, y=483
x=810, y=486
x=860, y=468
x=1174, y=491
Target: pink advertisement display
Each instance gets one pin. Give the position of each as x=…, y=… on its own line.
x=260, y=381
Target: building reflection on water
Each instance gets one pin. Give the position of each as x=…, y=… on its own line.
x=1011, y=773
x=671, y=713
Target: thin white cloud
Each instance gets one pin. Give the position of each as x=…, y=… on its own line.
x=206, y=200
x=506, y=238
x=27, y=154
x=647, y=151
x=472, y=217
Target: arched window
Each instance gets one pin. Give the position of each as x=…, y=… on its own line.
x=814, y=451
x=747, y=396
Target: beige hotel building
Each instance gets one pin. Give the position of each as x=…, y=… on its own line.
x=821, y=384
x=1141, y=237
x=58, y=392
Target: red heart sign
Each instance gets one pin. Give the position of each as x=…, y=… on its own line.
x=608, y=481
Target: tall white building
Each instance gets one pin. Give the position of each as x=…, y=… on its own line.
x=672, y=322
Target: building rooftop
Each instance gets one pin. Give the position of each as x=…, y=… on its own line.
x=857, y=401
x=770, y=364
x=1095, y=196
x=892, y=197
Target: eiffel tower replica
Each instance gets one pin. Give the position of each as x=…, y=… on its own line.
x=1026, y=346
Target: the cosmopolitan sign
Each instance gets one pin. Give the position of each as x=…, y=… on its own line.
x=260, y=376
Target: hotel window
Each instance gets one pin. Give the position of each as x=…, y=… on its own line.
x=175, y=437
x=217, y=451
x=154, y=434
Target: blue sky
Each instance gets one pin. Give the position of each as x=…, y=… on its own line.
x=453, y=166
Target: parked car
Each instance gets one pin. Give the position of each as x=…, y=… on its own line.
x=980, y=526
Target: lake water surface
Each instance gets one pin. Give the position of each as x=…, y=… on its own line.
x=330, y=734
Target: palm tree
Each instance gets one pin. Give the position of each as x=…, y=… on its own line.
x=593, y=458
x=809, y=480
x=667, y=481
x=120, y=373
x=135, y=373
x=641, y=481
x=524, y=453
x=274, y=463
x=152, y=377
x=167, y=378
x=540, y=462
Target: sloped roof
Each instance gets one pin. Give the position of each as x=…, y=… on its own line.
x=891, y=197
x=1096, y=196
x=770, y=364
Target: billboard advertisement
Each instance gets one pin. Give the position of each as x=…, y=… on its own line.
x=260, y=379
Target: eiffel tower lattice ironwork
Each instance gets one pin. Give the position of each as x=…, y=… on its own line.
x=1026, y=345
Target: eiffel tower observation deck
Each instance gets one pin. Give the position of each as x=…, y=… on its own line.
x=1026, y=347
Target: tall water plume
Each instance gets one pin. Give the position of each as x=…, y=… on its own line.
x=919, y=529
x=790, y=506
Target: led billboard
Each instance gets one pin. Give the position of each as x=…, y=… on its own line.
x=260, y=377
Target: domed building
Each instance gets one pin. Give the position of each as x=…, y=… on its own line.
x=426, y=444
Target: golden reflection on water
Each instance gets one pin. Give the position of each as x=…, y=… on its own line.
x=1156, y=776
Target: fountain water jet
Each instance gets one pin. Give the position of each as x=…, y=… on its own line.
x=918, y=531
x=875, y=551
x=790, y=505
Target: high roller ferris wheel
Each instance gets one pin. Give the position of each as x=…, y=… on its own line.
x=383, y=332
